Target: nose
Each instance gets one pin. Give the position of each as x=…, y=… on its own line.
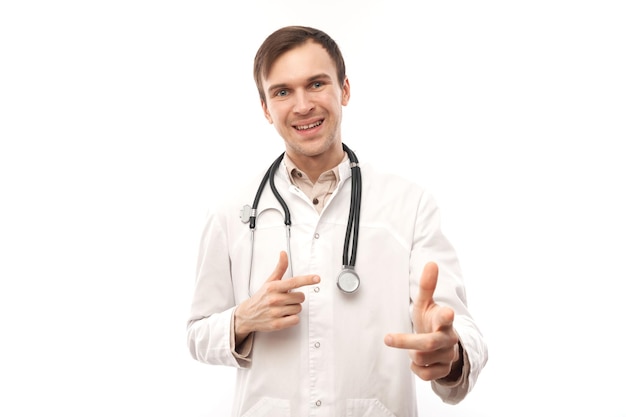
x=303, y=103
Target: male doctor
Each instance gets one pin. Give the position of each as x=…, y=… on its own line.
x=272, y=307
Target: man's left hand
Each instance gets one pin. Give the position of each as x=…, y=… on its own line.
x=434, y=345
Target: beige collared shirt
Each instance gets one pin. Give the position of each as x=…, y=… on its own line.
x=319, y=192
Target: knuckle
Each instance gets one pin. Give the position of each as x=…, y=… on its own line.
x=451, y=356
x=430, y=344
x=415, y=356
x=272, y=300
x=274, y=325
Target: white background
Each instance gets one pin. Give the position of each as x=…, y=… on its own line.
x=118, y=120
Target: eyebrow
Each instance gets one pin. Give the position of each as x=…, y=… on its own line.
x=322, y=76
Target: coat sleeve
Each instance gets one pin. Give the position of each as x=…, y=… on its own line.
x=430, y=245
x=213, y=301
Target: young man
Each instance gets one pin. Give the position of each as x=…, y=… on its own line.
x=364, y=292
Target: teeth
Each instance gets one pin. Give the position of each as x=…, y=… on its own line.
x=311, y=126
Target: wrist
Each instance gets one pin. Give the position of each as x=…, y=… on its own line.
x=239, y=326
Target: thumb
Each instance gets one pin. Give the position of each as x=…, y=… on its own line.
x=428, y=283
x=281, y=267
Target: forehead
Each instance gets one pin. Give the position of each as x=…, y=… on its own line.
x=300, y=63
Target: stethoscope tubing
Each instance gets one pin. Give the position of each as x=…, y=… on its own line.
x=287, y=238
x=352, y=228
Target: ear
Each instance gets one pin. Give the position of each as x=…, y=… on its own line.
x=345, y=92
x=266, y=112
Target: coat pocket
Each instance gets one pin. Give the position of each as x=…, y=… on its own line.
x=367, y=407
x=269, y=407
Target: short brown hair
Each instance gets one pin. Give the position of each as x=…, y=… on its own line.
x=286, y=39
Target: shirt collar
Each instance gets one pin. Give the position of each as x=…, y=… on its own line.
x=296, y=175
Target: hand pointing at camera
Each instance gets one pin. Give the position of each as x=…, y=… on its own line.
x=434, y=345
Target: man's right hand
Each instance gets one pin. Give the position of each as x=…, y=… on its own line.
x=274, y=306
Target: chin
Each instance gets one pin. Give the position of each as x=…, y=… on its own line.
x=314, y=148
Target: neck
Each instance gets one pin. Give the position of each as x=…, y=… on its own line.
x=314, y=166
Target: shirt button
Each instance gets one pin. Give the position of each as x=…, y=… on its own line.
x=317, y=344
x=316, y=289
x=318, y=403
x=315, y=201
x=299, y=174
x=317, y=236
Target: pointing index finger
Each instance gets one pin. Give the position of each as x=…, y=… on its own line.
x=300, y=281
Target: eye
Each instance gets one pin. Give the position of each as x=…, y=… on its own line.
x=317, y=84
x=281, y=93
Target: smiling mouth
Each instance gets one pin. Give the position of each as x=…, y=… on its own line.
x=309, y=126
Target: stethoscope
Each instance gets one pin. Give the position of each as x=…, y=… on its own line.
x=348, y=280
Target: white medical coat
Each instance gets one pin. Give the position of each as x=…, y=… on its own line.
x=334, y=362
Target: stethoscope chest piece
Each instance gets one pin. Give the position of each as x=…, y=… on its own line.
x=348, y=280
